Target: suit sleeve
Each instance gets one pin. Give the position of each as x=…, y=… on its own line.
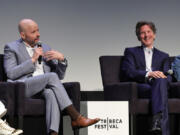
x=130, y=69
x=59, y=68
x=11, y=66
x=55, y=65
x=166, y=67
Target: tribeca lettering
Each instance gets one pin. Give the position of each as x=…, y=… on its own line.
x=108, y=124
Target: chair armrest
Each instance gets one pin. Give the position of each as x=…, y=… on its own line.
x=20, y=98
x=174, y=90
x=121, y=91
x=7, y=96
x=73, y=90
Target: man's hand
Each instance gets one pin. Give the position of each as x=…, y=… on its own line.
x=156, y=74
x=50, y=55
x=37, y=52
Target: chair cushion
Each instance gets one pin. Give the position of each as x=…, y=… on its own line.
x=34, y=106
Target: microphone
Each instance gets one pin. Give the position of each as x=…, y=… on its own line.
x=169, y=72
x=39, y=44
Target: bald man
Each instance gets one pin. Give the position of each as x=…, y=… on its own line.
x=21, y=63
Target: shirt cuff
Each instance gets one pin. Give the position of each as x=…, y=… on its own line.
x=146, y=76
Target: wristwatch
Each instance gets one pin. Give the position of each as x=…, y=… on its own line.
x=64, y=62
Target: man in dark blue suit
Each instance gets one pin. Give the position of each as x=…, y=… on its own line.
x=147, y=65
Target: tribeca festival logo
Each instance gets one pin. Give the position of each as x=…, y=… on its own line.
x=108, y=124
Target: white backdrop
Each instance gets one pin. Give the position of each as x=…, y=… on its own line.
x=85, y=29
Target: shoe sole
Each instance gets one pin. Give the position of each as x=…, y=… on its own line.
x=78, y=127
x=3, y=113
x=17, y=132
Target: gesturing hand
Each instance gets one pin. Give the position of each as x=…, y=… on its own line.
x=50, y=55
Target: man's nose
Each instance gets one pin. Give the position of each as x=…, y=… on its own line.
x=38, y=34
x=146, y=34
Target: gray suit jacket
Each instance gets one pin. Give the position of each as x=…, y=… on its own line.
x=18, y=64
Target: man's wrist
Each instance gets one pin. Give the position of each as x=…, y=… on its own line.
x=147, y=74
x=64, y=61
x=33, y=60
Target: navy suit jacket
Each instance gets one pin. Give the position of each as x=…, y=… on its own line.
x=134, y=66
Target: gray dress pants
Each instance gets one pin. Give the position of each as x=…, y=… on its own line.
x=55, y=96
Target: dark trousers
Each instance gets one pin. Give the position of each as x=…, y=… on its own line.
x=157, y=92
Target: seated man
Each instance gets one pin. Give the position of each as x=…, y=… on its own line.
x=146, y=65
x=40, y=68
x=5, y=129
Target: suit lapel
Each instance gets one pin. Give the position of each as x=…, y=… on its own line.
x=141, y=56
x=22, y=49
x=154, y=58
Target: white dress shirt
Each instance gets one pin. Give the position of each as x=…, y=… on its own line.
x=148, y=52
x=38, y=67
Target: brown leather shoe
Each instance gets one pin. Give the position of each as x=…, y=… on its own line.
x=83, y=122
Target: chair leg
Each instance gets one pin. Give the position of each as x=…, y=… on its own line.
x=11, y=120
x=61, y=126
x=76, y=131
x=178, y=122
x=132, y=124
x=20, y=122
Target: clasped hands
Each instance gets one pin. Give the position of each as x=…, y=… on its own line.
x=156, y=74
x=49, y=55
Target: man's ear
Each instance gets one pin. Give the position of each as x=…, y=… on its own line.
x=154, y=37
x=22, y=34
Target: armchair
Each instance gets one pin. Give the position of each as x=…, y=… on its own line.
x=22, y=106
x=35, y=106
x=7, y=95
x=115, y=89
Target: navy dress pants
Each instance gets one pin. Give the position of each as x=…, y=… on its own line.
x=157, y=92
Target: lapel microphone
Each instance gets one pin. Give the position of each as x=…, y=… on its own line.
x=169, y=72
x=39, y=44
